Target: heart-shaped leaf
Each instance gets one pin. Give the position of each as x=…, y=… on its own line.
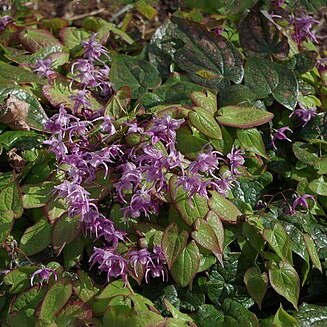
x=265, y=77
x=173, y=242
x=224, y=208
x=36, y=238
x=285, y=281
x=36, y=116
x=186, y=265
x=278, y=240
x=139, y=75
x=205, y=123
x=256, y=284
x=65, y=231
x=205, y=100
x=190, y=208
x=260, y=36
x=243, y=117
x=55, y=299
x=35, y=39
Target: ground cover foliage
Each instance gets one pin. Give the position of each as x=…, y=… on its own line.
x=164, y=165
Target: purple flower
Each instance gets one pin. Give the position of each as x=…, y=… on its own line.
x=303, y=28
x=164, y=129
x=236, y=160
x=4, y=21
x=44, y=274
x=280, y=135
x=141, y=256
x=194, y=184
x=304, y=114
x=206, y=162
x=80, y=100
x=301, y=201
x=114, y=265
x=224, y=184
x=322, y=65
x=156, y=265
x=59, y=122
x=93, y=49
x=141, y=202
x=43, y=68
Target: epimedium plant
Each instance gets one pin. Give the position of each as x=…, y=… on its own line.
x=179, y=180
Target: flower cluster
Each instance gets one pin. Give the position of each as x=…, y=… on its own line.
x=88, y=73
x=303, y=28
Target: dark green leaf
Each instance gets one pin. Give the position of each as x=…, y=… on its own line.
x=173, y=242
x=139, y=75
x=311, y=315
x=312, y=251
x=11, y=199
x=6, y=223
x=278, y=240
x=285, y=281
x=36, y=238
x=18, y=279
x=319, y=186
x=260, y=36
x=186, y=265
x=256, y=284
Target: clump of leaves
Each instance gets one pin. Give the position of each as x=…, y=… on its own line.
x=180, y=185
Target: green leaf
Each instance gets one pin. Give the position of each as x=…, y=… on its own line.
x=190, y=208
x=35, y=39
x=117, y=105
x=251, y=140
x=311, y=315
x=284, y=319
x=145, y=9
x=256, y=284
x=260, y=36
x=310, y=5
x=115, y=288
x=11, y=199
x=139, y=75
x=173, y=243
x=37, y=195
x=243, y=117
x=209, y=59
x=205, y=100
x=235, y=314
x=189, y=142
x=29, y=299
x=321, y=165
x=18, y=74
x=85, y=290
x=60, y=93
x=73, y=36
x=64, y=231
x=312, y=251
x=265, y=77
x=237, y=94
x=36, y=116
x=205, y=123
x=278, y=240
x=18, y=279
x=55, y=299
x=209, y=234
x=305, y=153
x=36, y=238
x=224, y=208
x=73, y=252
x=285, y=281
x=186, y=265
x=6, y=223
x=319, y=186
